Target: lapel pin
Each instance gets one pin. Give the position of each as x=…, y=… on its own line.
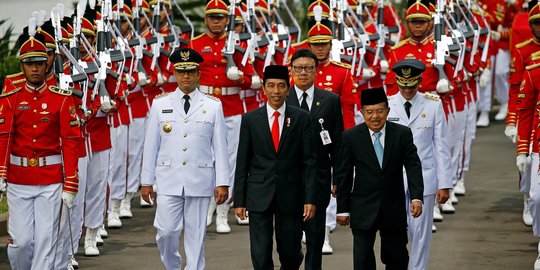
x=318, y=104
x=288, y=121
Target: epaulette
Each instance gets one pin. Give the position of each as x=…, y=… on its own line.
x=296, y=44
x=533, y=66
x=212, y=97
x=199, y=36
x=401, y=43
x=432, y=96
x=162, y=95
x=9, y=93
x=23, y=80
x=60, y=91
x=535, y=56
x=390, y=97
x=524, y=43
x=347, y=66
x=14, y=75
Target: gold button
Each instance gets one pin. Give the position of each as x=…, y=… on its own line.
x=185, y=120
x=184, y=149
x=184, y=163
x=35, y=98
x=34, y=140
x=35, y=111
x=35, y=126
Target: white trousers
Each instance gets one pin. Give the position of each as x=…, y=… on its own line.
x=502, y=71
x=118, y=176
x=96, y=188
x=69, y=236
x=470, y=133
x=177, y=213
x=33, y=225
x=135, y=150
x=534, y=193
x=232, y=123
x=484, y=93
x=456, y=141
x=420, y=234
x=331, y=212
x=525, y=180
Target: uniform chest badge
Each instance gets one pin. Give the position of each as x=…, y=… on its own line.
x=167, y=127
x=206, y=49
x=423, y=115
x=44, y=106
x=328, y=77
x=429, y=55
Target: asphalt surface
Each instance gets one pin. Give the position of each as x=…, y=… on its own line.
x=486, y=232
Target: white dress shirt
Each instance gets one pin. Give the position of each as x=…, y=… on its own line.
x=270, y=111
x=310, y=94
x=383, y=133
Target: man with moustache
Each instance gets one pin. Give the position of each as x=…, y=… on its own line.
x=185, y=156
x=325, y=110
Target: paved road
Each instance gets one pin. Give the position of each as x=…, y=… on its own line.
x=486, y=231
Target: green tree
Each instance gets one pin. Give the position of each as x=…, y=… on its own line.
x=9, y=63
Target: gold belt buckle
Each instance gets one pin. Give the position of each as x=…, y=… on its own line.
x=33, y=162
x=217, y=90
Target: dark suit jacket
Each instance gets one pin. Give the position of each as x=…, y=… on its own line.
x=326, y=106
x=262, y=174
x=378, y=194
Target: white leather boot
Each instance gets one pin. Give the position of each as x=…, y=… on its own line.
x=437, y=216
x=90, y=247
x=527, y=217
x=113, y=219
x=211, y=210
x=222, y=223
x=125, y=206
x=326, y=248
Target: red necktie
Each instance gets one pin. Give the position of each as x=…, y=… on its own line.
x=275, y=130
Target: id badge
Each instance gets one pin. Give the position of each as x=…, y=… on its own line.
x=325, y=137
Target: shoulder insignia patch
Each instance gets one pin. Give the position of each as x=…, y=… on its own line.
x=401, y=43
x=162, y=95
x=432, y=96
x=524, y=43
x=11, y=92
x=212, y=97
x=14, y=75
x=23, y=80
x=63, y=92
x=347, y=66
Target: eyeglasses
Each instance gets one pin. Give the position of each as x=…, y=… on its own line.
x=308, y=69
x=378, y=112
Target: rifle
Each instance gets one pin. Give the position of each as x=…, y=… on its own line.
x=441, y=43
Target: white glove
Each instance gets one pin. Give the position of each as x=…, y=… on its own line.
x=234, y=74
x=67, y=198
x=384, y=66
x=521, y=162
x=143, y=80
x=106, y=103
x=256, y=82
x=443, y=86
x=3, y=185
x=496, y=36
x=367, y=73
x=485, y=77
x=511, y=132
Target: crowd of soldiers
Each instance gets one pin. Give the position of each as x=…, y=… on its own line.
x=72, y=122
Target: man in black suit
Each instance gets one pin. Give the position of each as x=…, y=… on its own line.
x=275, y=174
x=326, y=118
x=375, y=200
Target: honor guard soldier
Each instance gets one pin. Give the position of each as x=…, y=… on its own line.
x=420, y=45
x=39, y=140
x=333, y=76
x=224, y=81
x=424, y=115
x=528, y=105
x=185, y=156
x=521, y=58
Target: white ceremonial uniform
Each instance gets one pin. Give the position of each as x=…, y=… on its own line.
x=428, y=125
x=185, y=155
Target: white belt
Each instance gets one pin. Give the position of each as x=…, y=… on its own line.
x=247, y=93
x=224, y=91
x=40, y=162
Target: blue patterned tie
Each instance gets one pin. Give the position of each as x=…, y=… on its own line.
x=379, y=151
